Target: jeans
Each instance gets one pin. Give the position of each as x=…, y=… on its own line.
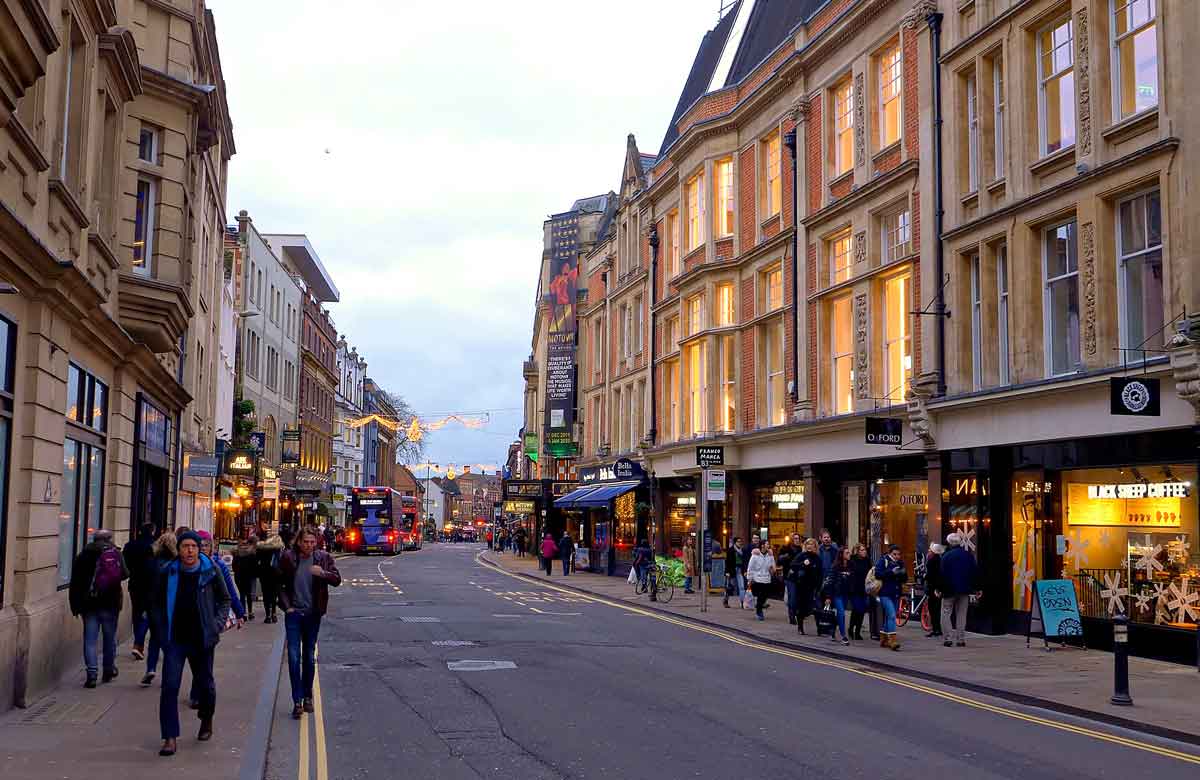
x=954, y=612
x=839, y=606
x=687, y=583
x=141, y=624
x=789, y=591
x=889, y=614
x=95, y=622
x=200, y=659
x=302, y=633
x=566, y=566
x=548, y=563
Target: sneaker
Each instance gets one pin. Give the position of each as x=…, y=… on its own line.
x=148, y=680
x=193, y=704
x=297, y=711
x=308, y=705
x=205, y=733
x=90, y=682
x=845, y=642
x=109, y=676
x=960, y=644
x=138, y=654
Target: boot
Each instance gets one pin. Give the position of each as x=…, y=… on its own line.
x=885, y=640
x=894, y=642
x=800, y=625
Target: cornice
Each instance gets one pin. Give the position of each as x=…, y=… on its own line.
x=865, y=191
x=118, y=47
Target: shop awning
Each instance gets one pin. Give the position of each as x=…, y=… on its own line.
x=568, y=501
x=599, y=497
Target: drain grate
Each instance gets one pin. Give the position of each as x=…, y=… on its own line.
x=479, y=666
x=411, y=619
x=67, y=713
x=453, y=643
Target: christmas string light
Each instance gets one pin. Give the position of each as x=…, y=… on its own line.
x=415, y=429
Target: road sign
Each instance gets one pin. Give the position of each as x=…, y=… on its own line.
x=885, y=430
x=710, y=455
x=714, y=479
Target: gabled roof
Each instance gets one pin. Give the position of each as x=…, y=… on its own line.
x=771, y=23
x=701, y=73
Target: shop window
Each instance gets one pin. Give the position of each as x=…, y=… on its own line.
x=1140, y=273
x=87, y=399
x=80, y=502
x=728, y=383
x=681, y=519
x=1061, y=299
x=1135, y=56
x=723, y=197
x=1056, y=86
x=899, y=515
x=779, y=508
x=842, y=356
x=897, y=334
x=625, y=528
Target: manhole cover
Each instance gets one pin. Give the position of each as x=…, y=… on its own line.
x=411, y=619
x=453, y=643
x=53, y=713
x=479, y=666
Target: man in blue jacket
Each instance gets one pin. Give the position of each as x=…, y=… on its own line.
x=190, y=605
x=959, y=580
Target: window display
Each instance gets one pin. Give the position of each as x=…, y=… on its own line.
x=899, y=515
x=780, y=509
x=681, y=519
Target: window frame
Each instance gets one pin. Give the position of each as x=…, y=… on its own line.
x=773, y=175
x=727, y=382
x=673, y=256
x=972, y=95
x=999, y=106
x=726, y=308
x=1047, y=319
x=904, y=340
x=902, y=214
x=1123, y=260
x=1002, y=315
x=1118, y=111
x=976, y=293
x=154, y=134
x=835, y=271
x=895, y=51
x=836, y=357
x=694, y=198
x=724, y=199
x=1043, y=79
x=146, y=267
x=771, y=372
x=843, y=127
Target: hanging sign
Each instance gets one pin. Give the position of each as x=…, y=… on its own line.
x=270, y=489
x=711, y=455
x=201, y=465
x=240, y=463
x=1055, y=613
x=258, y=441
x=1138, y=395
x=714, y=481
x=291, y=448
x=885, y=430
x=624, y=470
x=518, y=506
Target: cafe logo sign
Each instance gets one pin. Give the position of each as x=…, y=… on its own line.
x=1136, y=490
x=1134, y=396
x=239, y=462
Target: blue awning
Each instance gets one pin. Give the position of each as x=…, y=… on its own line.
x=568, y=501
x=599, y=497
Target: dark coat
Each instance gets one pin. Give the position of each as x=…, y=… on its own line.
x=807, y=572
x=787, y=554
x=82, y=571
x=320, y=585
x=841, y=581
x=892, y=575
x=212, y=597
x=933, y=573
x=732, y=558
x=566, y=548
x=140, y=563
x=960, y=573
x=858, y=580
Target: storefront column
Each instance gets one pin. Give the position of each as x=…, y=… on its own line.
x=814, y=500
x=938, y=495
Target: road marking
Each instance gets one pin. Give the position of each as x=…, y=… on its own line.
x=319, y=722
x=881, y=676
x=508, y=616
x=303, y=773
x=540, y=612
x=479, y=666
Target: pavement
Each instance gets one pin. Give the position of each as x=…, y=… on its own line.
x=435, y=664
x=1065, y=679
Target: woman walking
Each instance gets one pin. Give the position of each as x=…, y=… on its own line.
x=245, y=570
x=549, y=553
x=689, y=564
x=841, y=584
x=890, y=572
x=267, y=552
x=807, y=573
x=165, y=551
x=860, y=564
x=762, y=566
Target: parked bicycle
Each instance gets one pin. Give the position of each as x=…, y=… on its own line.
x=659, y=580
x=913, y=602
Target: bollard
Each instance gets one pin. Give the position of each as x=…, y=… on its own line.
x=1121, y=662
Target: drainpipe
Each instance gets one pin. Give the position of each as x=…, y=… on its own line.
x=178, y=440
x=939, y=209
x=789, y=140
x=653, y=435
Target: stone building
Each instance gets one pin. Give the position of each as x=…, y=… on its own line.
x=347, y=439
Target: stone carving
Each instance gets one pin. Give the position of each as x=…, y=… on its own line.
x=919, y=417
x=919, y=14
x=862, y=379
x=860, y=121
x=1083, y=80
x=1087, y=275
x=801, y=108
x=860, y=246
x=1184, y=349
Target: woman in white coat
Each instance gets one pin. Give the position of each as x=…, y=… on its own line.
x=762, y=566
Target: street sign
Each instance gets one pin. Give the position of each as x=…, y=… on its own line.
x=714, y=479
x=710, y=455
x=270, y=490
x=885, y=430
x=201, y=465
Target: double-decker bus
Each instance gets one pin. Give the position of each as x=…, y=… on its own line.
x=410, y=525
x=374, y=516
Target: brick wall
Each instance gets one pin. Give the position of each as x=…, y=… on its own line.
x=912, y=111
x=747, y=171
x=826, y=16
x=841, y=188
x=694, y=259
x=888, y=161
x=724, y=250
x=815, y=162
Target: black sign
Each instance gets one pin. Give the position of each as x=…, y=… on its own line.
x=202, y=465
x=240, y=463
x=1136, y=395
x=708, y=551
x=885, y=430
x=514, y=488
x=258, y=440
x=624, y=470
x=291, y=447
x=712, y=455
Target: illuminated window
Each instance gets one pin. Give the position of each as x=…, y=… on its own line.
x=728, y=383
x=725, y=313
x=1135, y=56
x=693, y=311
x=694, y=199
x=1056, y=86
x=672, y=253
x=843, y=128
x=772, y=176
x=842, y=353
x=723, y=196
x=841, y=257
x=671, y=396
x=696, y=372
x=771, y=288
x=890, y=85
x=1061, y=298
x=897, y=337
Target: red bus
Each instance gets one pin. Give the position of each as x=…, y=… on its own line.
x=410, y=523
x=374, y=515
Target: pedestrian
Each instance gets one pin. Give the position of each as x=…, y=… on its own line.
x=206, y=549
x=245, y=571
x=808, y=573
x=267, y=552
x=139, y=562
x=891, y=574
x=330, y=535
x=96, y=596
x=305, y=575
x=959, y=580
x=934, y=588
x=286, y=535
x=190, y=608
x=689, y=564
x=165, y=550
x=860, y=602
x=828, y=551
x=520, y=541
x=643, y=562
x=759, y=571
x=566, y=551
x=841, y=586
x=791, y=548
x=736, y=561
x=549, y=553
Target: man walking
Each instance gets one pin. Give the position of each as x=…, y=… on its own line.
x=828, y=552
x=189, y=608
x=305, y=576
x=95, y=595
x=959, y=579
x=566, y=551
x=139, y=562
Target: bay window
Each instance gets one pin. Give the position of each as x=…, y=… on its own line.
x=1056, y=86
x=693, y=193
x=1060, y=265
x=725, y=312
x=897, y=337
x=723, y=197
x=843, y=128
x=696, y=372
x=728, y=381
x=693, y=311
x=897, y=234
x=672, y=245
x=143, y=226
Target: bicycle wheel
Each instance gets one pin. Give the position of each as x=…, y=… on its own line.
x=903, y=610
x=666, y=589
x=926, y=619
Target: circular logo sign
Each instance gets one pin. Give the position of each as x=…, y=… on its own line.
x=1135, y=396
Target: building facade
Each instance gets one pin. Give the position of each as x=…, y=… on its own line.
x=347, y=439
x=379, y=439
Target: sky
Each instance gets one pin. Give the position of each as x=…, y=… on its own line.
x=420, y=145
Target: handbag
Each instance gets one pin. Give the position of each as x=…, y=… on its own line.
x=873, y=584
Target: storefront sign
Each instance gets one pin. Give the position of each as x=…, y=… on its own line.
x=788, y=494
x=1136, y=504
x=291, y=448
x=1140, y=490
x=885, y=430
x=267, y=472
x=913, y=499
x=560, y=337
x=624, y=470
x=523, y=489
x=1134, y=396
x=240, y=462
x=1055, y=610
x=519, y=506
x=201, y=465
x=270, y=490
x=339, y=500
x=562, y=488
x=258, y=441
x=711, y=455
x=970, y=487
x=714, y=481
x=685, y=500
x=531, y=446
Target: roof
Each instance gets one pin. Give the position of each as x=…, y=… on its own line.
x=771, y=23
x=593, y=205
x=300, y=253
x=648, y=161
x=701, y=73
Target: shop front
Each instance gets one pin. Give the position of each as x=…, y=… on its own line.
x=524, y=503
x=777, y=505
x=609, y=512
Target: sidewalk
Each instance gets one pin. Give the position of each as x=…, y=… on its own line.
x=1069, y=680
x=111, y=732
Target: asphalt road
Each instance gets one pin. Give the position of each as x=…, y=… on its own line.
x=596, y=691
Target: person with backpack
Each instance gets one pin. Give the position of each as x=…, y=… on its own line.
x=96, y=596
x=891, y=576
x=566, y=551
x=139, y=562
x=245, y=570
x=268, y=553
x=860, y=601
x=959, y=579
x=549, y=553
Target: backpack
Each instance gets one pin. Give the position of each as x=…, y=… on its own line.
x=109, y=571
x=873, y=584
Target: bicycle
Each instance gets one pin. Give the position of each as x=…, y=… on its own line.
x=658, y=581
x=911, y=603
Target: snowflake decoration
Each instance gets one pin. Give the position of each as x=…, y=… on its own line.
x=1185, y=548
x=1143, y=599
x=1184, y=601
x=1114, y=592
x=1105, y=537
x=968, y=539
x=1024, y=578
x=1149, y=560
x=1077, y=549
x=1160, y=604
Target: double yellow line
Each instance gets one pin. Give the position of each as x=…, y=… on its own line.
x=321, y=759
x=1148, y=747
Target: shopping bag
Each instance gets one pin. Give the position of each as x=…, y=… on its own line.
x=632, y=577
x=747, y=600
x=826, y=621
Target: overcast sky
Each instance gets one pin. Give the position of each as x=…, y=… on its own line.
x=420, y=145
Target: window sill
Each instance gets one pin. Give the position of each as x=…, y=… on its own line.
x=970, y=200
x=997, y=186
x=885, y=151
x=1130, y=126
x=1054, y=162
